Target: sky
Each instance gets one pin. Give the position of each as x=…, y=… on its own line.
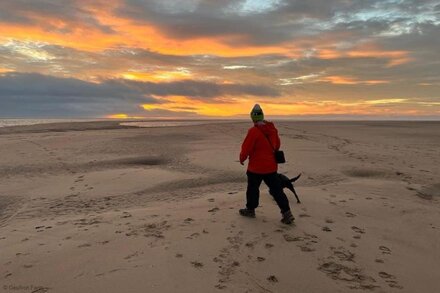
x=217, y=58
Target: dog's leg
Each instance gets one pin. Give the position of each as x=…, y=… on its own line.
x=296, y=195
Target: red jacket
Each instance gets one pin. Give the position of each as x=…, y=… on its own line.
x=258, y=149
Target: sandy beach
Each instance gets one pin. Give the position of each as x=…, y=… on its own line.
x=99, y=207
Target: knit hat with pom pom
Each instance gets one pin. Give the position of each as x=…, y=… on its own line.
x=257, y=113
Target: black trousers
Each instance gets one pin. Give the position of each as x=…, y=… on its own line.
x=276, y=189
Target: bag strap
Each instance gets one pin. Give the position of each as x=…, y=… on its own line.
x=268, y=140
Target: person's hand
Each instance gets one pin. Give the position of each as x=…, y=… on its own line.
x=242, y=163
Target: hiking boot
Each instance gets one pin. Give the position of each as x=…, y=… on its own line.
x=288, y=218
x=247, y=213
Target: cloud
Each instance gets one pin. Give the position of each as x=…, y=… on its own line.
x=203, y=90
x=350, y=80
x=27, y=94
x=36, y=95
x=275, y=22
x=53, y=15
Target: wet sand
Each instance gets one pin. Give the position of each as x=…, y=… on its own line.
x=99, y=207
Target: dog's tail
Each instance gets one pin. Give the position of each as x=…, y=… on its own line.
x=295, y=178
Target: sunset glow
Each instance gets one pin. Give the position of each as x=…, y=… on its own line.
x=125, y=58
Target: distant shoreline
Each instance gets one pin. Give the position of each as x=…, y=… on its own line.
x=24, y=122
x=64, y=126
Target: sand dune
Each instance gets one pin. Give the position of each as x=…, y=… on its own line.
x=95, y=207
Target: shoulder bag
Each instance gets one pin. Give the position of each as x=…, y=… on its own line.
x=279, y=155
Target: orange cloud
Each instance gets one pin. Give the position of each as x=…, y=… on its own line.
x=5, y=70
x=396, y=57
x=220, y=108
x=366, y=51
x=158, y=75
x=350, y=80
x=282, y=106
x=118, y=116
x=131, y=35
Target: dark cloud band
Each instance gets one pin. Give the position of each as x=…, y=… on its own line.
x=28, y=94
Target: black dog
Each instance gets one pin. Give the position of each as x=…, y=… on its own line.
x=287, y=183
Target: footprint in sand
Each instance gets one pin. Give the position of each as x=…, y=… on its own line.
x=250, y=244
x=390, y=280
x=309, y=239
x=290, y=238
x=126, y=215
x=260, y=258
x=393, y=284
x=343, y=254
x=326, y=229
x=193, y=235
x=352, y=275
x=358, y=230
x=306, y=248
x=235, y=264
x=130, y=256
x=385, y=250
x=385, y=275
x=220, y=286
x=304, y=215
x=350, y=215
x=197, y=265
x=213, y=210
x=272, y=279
x=268, y=245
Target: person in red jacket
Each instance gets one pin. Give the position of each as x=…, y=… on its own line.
x=259, y=145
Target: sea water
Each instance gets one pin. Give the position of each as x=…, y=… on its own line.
x=164, y=123
x=22, y=121
x=156, y=123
